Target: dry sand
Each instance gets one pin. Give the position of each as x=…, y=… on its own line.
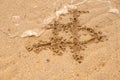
x=100, y=59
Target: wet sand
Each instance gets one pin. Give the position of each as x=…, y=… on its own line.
x=84, y=46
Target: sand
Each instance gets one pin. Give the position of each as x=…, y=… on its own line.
x=83, y=44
